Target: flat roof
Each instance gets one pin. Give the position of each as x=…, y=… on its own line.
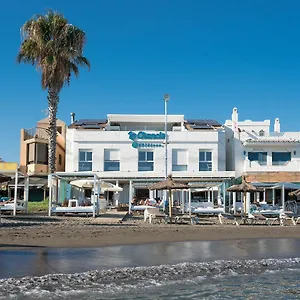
x=145, y=118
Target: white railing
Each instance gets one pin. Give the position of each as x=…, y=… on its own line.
x=253, y=166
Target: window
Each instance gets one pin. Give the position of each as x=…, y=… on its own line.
x=179, y=160
x=145, y=161
x=42, y=153
x=280, y=158
x=111, y=160
x=260, y=157
x=85, y=160
x=59, y=159
x=205, y=161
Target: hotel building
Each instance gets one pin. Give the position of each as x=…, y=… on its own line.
x=129, y=150
x=261, y=154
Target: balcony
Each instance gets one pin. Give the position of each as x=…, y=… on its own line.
x=35, y=133
x=254, y=166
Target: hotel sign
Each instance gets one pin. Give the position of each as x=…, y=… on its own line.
x=146, y=140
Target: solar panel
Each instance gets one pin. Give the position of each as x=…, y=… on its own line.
x=89, y=121
x=200, y=126
x=203, y=122
x=91, y=126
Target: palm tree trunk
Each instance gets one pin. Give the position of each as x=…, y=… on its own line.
x=53, y=98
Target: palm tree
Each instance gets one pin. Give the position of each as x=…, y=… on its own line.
x=55, y=48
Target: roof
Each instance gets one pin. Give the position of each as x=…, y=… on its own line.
x=272, y=141
x=120, y=118
x=287, y=185
x=196, y=124
x=89, y=124
x=191, y=124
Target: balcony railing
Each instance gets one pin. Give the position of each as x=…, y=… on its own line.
x=290, y=166
x=36, y=132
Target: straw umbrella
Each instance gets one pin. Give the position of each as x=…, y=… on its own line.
x=295, y=193
x=4, y=178
x=169, y=184
x=244, y=188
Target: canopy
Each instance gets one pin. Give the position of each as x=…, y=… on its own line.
x=89, y=183
x=244, y=187
x=169, y=184
x=4, y=178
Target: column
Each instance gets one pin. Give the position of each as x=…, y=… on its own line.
x=273, y=196
x=234, y=202
x=26, y=192
x=208, y=194
x=219, y=196
x=282, y=197
x=190, y=202
x=151, y=194
x=247, y=203
x=116, y=195
x=130, y=194
x=258, y=196
x=182, y=200
x=50, y=185
x=16, y=192
x=94, y=200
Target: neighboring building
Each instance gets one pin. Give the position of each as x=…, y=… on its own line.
x=34, y=148
x=262, y=155
x=129, y=150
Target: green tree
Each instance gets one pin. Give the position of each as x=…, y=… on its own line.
x=55, y=48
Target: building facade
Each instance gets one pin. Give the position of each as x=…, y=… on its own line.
x=260, y=153
x=130, y=149
x=34, y=148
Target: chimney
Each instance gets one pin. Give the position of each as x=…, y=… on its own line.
x=277, y=125
x=72, y=117
x=234, y=119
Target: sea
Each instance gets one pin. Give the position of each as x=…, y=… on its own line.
x=231, y=269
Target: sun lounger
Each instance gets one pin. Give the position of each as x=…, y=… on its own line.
x=237, y=220
x=267, y=219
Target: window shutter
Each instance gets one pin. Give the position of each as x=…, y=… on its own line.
x=111, y=154
x=179, y=157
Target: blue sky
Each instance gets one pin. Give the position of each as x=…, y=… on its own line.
x=209, y=55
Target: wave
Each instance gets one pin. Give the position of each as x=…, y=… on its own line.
x=120, y=280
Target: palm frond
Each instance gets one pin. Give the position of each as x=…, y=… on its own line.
x=55, y=47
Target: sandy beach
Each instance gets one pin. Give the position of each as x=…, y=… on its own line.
x=89, y=232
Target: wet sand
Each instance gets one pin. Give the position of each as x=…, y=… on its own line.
x=86, y=232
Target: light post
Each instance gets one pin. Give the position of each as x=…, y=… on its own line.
x=166, y=99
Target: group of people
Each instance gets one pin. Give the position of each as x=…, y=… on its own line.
x=150, y=202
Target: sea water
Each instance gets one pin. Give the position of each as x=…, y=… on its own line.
x=241, y=269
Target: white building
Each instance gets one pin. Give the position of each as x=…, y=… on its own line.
x=263, y=155
x=129, y=150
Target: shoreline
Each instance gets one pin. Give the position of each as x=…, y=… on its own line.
x=97, y=235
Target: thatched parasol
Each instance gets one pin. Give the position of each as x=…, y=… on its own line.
x=169, y=184
x=295, y=193
x=244, y=187
x=4, y=178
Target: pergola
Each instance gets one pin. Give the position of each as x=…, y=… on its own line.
x=59, y=176
x=16, y=175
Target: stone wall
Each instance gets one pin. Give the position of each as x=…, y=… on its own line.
x=273, y=177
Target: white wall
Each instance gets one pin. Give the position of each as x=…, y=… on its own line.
x=193, y=141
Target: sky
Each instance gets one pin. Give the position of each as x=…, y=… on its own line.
x=210, y=56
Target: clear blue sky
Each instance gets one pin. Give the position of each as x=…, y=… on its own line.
x=209, y=55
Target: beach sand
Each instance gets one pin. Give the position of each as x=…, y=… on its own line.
x=88, y=232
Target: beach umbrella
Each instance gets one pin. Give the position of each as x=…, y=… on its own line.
x=4, y=178
x=295, y=193
x=244, y=187
x=169, y=184
x=89, y=183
